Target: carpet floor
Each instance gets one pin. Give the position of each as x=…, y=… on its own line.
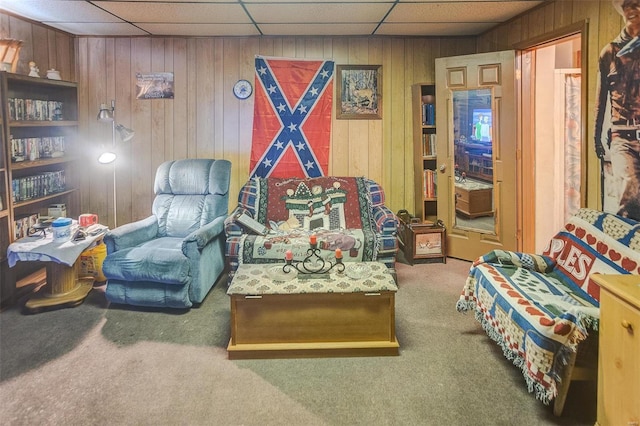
x=101, y=364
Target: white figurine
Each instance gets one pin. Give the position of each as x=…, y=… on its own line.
x=34, y=70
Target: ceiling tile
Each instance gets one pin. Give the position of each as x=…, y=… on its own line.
x=273, y=17
x=435, y=29
x=484, y=11
x=58, y=10
x=89, y=28
x=187, y=13
x=201, y=30
x=317, y=13
x=317, y=29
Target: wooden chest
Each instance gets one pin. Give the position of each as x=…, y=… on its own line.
x=474, y=202
x=422, y=241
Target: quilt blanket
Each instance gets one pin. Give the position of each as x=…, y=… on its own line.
x=336, y=209
x=538, y=308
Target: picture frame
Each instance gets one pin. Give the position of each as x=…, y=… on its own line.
x=428, y=244
x=359, y=92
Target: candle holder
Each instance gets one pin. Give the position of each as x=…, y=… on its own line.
x=313, y=266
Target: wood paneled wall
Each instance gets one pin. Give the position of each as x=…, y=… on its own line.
x=206, y=120
x=48, y=48
x=603, y=24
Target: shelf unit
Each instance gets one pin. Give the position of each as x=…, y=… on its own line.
x=425, y=154
x=39, y=127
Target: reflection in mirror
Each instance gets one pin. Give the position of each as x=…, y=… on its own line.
x=473, y=160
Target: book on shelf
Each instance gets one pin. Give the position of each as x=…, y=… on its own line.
x=428, y=114
x=34, y=109
x=429, y=183
x=37, y=186
x=428, y=144
x=31, y=149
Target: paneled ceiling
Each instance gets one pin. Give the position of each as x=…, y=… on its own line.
x=269, y=17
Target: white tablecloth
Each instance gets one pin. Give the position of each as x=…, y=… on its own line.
x=36, y=248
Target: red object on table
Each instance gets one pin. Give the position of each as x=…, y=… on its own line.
x=312, y=239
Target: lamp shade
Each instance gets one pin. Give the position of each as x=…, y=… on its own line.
x=105, y=113
x=125, y=134
x=107, y=157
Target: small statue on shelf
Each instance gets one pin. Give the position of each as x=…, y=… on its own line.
x=34, y=69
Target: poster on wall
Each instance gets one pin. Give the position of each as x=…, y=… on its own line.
x=156, y=85
x=617, y=121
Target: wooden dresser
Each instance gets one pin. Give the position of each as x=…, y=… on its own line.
x=619, y=350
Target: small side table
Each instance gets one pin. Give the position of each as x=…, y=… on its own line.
x=422, y=242
x=63, y=287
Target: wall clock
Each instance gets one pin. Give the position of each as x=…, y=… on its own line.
x=242, y=89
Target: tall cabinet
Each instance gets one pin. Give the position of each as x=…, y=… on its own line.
x=425, y=155
x=619, y=350
x=39, y=127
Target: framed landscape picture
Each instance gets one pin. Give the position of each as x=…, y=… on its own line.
x=359, y=92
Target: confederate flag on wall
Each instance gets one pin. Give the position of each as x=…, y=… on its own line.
x=291, y=117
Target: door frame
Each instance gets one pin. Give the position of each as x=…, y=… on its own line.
x=525, y=170
x=494, y=70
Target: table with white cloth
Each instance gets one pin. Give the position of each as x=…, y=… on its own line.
x=63, y=288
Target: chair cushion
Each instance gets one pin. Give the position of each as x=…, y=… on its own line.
x=160, y=260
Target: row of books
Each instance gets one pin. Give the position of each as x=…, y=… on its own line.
x=428, y=144
x=34, y=109
x=428, y=114
x=429, y=183
x=30, y=149
x=36, y=186
x=22, y=223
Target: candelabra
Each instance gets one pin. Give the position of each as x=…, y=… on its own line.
x=313, y=266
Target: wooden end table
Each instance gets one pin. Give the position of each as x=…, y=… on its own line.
x=63, y=287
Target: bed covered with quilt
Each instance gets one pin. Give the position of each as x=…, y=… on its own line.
x=540, y=308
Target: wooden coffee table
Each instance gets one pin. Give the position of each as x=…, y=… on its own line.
x=338, y=316
x=63, y=288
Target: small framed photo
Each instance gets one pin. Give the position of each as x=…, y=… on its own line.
x=359, y=92
x=428, y=243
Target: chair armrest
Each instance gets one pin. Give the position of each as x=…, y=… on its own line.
x=504, y=258
x=231, y=226
x=386, y=222
x=131, y=234
x=204, y=235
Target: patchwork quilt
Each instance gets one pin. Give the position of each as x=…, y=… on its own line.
x=539, y=308
x=342, y=212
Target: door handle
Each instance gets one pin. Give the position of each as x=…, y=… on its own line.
x=442, y=168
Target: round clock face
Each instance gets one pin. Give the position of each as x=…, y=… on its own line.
x=242, y=89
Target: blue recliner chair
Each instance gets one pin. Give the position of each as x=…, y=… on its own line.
x=175, y=256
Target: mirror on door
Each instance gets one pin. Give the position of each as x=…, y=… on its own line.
x=473, y=160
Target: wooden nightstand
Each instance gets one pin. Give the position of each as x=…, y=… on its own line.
x=619, y=350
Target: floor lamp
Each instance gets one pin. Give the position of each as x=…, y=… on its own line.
x=107, y=114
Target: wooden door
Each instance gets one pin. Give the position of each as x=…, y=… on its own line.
x=476, y=107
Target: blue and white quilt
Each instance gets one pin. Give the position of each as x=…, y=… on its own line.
x=538, y=308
